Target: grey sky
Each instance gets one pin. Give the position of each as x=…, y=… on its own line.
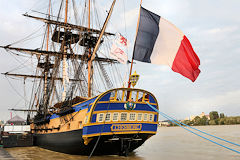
x=212, y=26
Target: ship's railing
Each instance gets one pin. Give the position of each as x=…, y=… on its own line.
x=123, y=95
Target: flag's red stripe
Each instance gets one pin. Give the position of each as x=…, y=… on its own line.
x=186, y=61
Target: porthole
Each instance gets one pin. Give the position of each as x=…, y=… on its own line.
x=139, y=117
x=123, y=116
x=108, y=117
x=145, y=116
x=115, y=116
x=150, y=117
x=132, y=117
x=100, y=117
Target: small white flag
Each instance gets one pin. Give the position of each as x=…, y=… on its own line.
x=122, y=41
x=118, y=54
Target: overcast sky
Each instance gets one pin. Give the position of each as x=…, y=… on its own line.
x=212, y=26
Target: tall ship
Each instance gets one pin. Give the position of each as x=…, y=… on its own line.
x=78, y=102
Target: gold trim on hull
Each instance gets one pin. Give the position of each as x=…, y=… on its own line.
x=114, y=133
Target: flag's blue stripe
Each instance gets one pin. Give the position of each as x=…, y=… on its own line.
x=148, y=31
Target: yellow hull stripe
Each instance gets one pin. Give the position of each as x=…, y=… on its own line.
x=126, y=111
x=114, y=133
x=111, y=101
x=118, y=122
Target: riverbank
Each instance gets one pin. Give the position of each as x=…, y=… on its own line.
x=203, y=121
x=199, y=125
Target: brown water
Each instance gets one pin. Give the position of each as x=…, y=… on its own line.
x=170, y=143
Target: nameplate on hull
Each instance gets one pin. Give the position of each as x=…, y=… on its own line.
x=126, y=127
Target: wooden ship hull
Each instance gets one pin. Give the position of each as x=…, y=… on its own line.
x=106, y=121
x=72, y=143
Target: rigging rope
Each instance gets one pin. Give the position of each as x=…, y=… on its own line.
x=16, y=90
x=100, y=134
x=22, y=65
x=179, y=124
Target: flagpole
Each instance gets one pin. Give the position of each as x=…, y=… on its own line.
x=129, y=83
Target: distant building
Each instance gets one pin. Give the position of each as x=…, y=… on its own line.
x=191, y=118
x=164, y=123
x=201, y=115
x=16, y=120
x=206, y=115
x=16, y=125
x=187, y=118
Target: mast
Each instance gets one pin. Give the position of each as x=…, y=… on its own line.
x=46, y=70
x=47, y=56
x=129, y=83
x=92, y=56
x=64, y=63
x=48, y=25
x=89, y=56
x=102, y=31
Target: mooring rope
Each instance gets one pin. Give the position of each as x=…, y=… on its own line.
x=201, y=131
x=100, y=134
x=179, y=124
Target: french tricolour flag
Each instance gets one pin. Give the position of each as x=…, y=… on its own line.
x=160, y=42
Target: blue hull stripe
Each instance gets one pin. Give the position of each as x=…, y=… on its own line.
x=103, y=128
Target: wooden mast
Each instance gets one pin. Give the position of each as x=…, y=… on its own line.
x=129, y=83
x=89, y=56
x=66, y=11
x=46, y=61
x=48, y=25
x=102, y=31
x=92, y=56
x=64, y=72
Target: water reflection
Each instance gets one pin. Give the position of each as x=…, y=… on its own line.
x=36, y=153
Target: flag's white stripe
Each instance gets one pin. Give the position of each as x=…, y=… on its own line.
x=167, y=43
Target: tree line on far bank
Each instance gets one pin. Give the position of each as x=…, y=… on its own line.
x=215, y=119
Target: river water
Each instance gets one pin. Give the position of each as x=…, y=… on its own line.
x=170, y=143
